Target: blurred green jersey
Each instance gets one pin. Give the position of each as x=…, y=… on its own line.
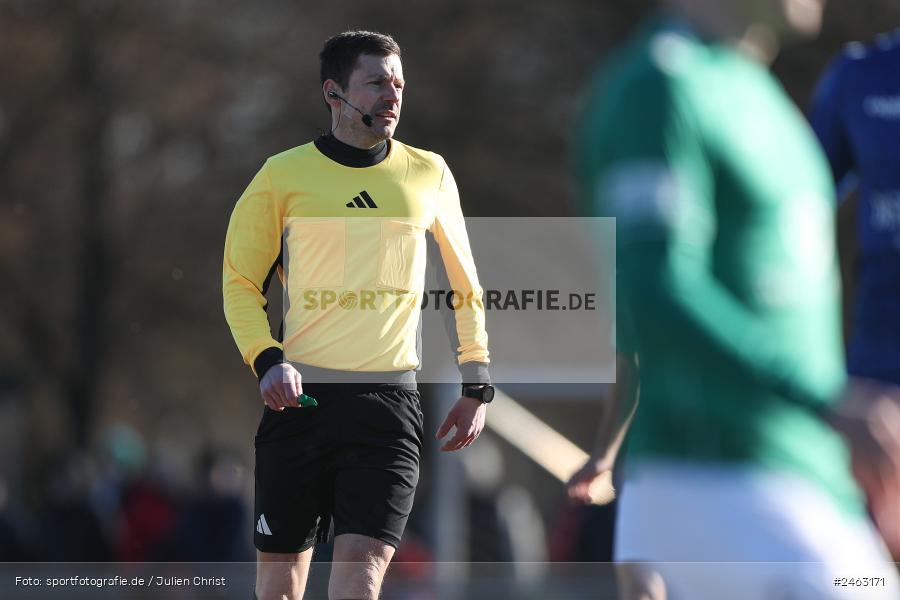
x=727, y=281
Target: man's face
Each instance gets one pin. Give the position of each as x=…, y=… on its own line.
x=804, y=16
x=376, y=87
x=789, y=18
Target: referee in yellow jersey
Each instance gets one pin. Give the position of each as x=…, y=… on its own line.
x=343, y=222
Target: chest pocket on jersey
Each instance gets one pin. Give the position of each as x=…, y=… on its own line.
x=401, y=260
x=318, y=253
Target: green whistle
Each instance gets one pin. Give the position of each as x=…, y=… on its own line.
x=304, y=400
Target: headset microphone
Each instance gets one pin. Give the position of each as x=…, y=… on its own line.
x=366, y=118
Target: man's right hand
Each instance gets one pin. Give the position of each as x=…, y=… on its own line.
x=281, y=386
x=868, y=416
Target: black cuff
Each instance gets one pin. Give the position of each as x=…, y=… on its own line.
x=474, y=373
x=267, y=359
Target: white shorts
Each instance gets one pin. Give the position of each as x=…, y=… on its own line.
x=746, y=533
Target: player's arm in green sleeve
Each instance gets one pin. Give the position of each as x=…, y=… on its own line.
x=252, y=249
x=655, y=177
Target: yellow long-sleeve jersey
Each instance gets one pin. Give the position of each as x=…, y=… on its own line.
x=349, y=246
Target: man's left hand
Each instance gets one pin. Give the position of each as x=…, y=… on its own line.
x=468, y=416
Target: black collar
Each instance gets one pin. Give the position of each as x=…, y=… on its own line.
x=350, y=156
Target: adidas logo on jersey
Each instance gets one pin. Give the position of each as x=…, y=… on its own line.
x=364, y=200
x=263, y=527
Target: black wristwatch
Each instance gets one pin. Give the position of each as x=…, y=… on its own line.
x=479, y=391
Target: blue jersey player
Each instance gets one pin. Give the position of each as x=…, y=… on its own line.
x=856, y=114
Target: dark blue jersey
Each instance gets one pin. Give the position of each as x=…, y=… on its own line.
x=856, y=114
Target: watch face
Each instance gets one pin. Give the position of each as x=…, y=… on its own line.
x=487, y=393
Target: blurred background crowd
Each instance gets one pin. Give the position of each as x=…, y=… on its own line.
x=127, y=132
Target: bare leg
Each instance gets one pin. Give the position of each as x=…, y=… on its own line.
x=358, y=567
x=282, y=576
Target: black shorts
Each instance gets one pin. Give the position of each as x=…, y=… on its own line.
x=354, y=458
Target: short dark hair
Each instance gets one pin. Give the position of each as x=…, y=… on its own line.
x=340, y=52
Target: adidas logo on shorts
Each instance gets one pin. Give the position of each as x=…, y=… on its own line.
x=263, y=527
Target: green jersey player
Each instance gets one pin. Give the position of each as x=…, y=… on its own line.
x=727, y=301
